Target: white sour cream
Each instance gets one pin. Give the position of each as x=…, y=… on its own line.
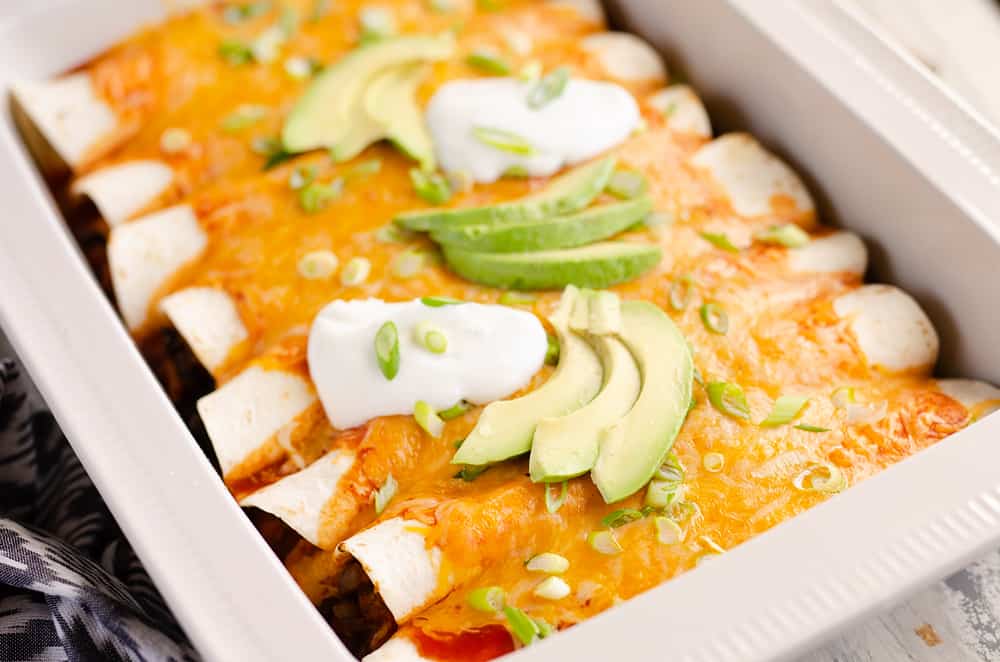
x=492, y=352
x=588, y=118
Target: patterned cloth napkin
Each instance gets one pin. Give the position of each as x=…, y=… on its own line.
x=71, y=587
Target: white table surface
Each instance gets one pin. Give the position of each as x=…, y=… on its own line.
x=958, y=619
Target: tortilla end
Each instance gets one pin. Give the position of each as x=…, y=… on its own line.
x=208, y=320
x=626, y=57
x=397, y=649
x=120, y=191
x=683, y=109
x=840, y=252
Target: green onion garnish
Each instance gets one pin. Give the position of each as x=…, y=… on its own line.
x=552, y=588
x=313, y=197
x=668, y=531
x=626, y=184
x=545, y=629
x=488, y=61
x=660, y=494
x=235, y=52
x=377, y=23
x=554, y=502
x=521, y=626
x=408, y=263
x=301, y=177
x=714, y=317
x=697, y=376
x=455, y=410
x=843, y=396
x=713, y=462
x=175, y=140
x=786, y=409
x=393, y=234
x=317, y=265
x=620, y=518
x=243, y=117
x=671, y=470
x=503, y=140
x=729, y=399
x=365, y=168
x=810, y=428
x=712, y=545
x=548, y=562
x=511, y=298
x=301, y=68
x=237, y=13
x=788, y=235
x=355, y=271
x=552, y=351
x=385, y=493
x=720, y=240
x=430, y=337
x=387, y=350
x=437, y=302
x=428, y=419
x=469, y=472
x=488, y=599
x=531, y=71
x=430, y=186
x=441, y=6
x=681, y=290
x=657, y=219
x=605, y=542
x=549, y=88
x=824, y=477
x=320, y=8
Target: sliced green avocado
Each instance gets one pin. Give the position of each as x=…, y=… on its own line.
x=566, y=447
x=505, y=428
x=567, y=193
x=326, y=114
x=598, y=265
x=633, y=448
x=577, y=229
x=391, y=101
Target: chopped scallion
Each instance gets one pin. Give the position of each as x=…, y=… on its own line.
x=385, y=493
x=714, y=317
x=604, y=542
x=620, y=518
x=713, y=462
x=430, y=186
x=681, y=290
x=524, y=629
x=487, y=599
x=512, y=298
x=811, y=428
x=355, y=271
x=409, y=263
x=788, y=235
x=244, y=116
x=626, y=184
x=554, y=502
x=238, y=12
x=430, y=337
x=235, y=52
x=712, y=545
x=454, y=411
x=320, y=8
x=428, y=419
x=545, y=628
x=393, y=234
x=843, y=396
x=301, y=177
x=552, y=351
x=668, y=531
x=365, y=168
x=489, y=61
x=437, y=302
x=387, y=350
x=786, y=409
x=317, y=265
x=552, y=588
x=469, y=472
x=824, y=477
x=531, y=71
x=175, y=140
x=548, y=562
x=505, y=141
x=671, y=470
x=377, y=23
x=313, y=197
x=720, y=240
x=549, y=88
x=729, y=399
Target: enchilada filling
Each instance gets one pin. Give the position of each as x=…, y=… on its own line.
x=481, y=325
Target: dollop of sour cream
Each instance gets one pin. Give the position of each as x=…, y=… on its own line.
x=492, y=351
x=588, y=118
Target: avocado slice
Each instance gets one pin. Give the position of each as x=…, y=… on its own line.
x=577, y=229
x=633, y=448
x=392, y=102
x=505, y=428
x=566, y=447
x=567, y=193
x=327, y=113
x=598, y=265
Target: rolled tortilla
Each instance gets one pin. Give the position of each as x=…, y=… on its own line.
x=589, y=9
x=755, y=181
x=122, y=190
x=208, y=320
x=838, y=252
x=397, y=649
x=890, y=327
x=69, y=114
x=626, y=57
x=143, y=255
x=683, y=110
x=250, y=409
x=298, y=499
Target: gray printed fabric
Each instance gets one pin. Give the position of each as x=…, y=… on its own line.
x=71, y=587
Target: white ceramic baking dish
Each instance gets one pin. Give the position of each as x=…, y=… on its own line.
x=890, y=155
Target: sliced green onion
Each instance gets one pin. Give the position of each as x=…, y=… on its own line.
x=811, y=428
x=377, y=23
x=301, y=177
x=620, y=518
x=821, y=477
x=786, y=409
x=438, y=302
x=626, y=184
x=441, y=6
x=714, y=317
x=554, y=502
x=605, y=542
x=681, y=290
x=521, y=626
x=713, y=462
x=531, y=71
x=516, y=172
x=729, y=399
x=511, y=298
x=276, y=157
x=265, y=145
x=175, y=140
x=469, y=472
x=430, y=337
x=317, y=265
x=235, y=52
x=712, y=545
x=385, y=493
x=788, y=235
x=313, y=197
x=697, y=376
x=393, y=234
x=454, y=411
x=489, y=61
x=409, y=263
x=503, y=140
x=288, y=22
x=267, y=46
x=460, y=181
x=657, y=219
x=720, y=240
x=488, y=599
x=430, y=186
x=428, y=419
x=355, y=271
x=552, y=588
x=548, y=562
x=365, y=168
x=244, y=116
x=668, y=531
x=301, y=67
x=549, y=88
x=545, y=629
x=661, y=493
x=552, y=350
x=387, y=350
x=320, y=8
x=237, y=13
x=843, y=396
